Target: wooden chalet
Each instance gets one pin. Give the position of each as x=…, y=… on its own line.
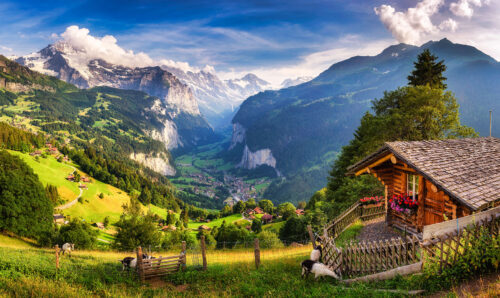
x=448, y=178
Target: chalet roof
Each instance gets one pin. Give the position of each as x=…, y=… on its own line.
x=466, y=169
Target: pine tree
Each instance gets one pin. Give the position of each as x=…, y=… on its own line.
x=427, y=71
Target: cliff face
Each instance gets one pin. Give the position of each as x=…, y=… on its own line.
x=158, y=164
x=238, y=135
x=252, y=160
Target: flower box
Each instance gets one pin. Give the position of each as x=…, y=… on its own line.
x=403, y=204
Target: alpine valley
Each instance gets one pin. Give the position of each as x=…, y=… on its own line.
x=283, y=142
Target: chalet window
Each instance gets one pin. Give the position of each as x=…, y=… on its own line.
x=412, y=185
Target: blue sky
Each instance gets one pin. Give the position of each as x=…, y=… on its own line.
x=275, y=39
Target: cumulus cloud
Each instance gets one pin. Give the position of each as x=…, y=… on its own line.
x=448, y=25
x=88, y=47
x=409, y=26
x=464, y=8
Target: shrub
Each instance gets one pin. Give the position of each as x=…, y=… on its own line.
x=482, y=256
x=173, y=239
x=78, y=232
x=268, y=239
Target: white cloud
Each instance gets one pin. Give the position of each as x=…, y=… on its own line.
x=88, y=47
x=6, y=48
x=409, y=26
x=448, y=25
x=464, y=8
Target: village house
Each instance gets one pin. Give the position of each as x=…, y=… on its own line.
x=427, y=182
x=99, y=225
x=204, y=227
x=70, y=177
x=267, y=218
x=249, y=212
x=36, y=153
x=299, y=212
x=58, y=218
x=169, y=228
x=83, y=186
x=85, y=179
x=257, y=210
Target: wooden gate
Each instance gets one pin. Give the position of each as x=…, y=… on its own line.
x=157, y=267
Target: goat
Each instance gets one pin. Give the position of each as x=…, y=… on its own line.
x=316, y=254
x=131, y=262
x=68, y=247
x=318, y=269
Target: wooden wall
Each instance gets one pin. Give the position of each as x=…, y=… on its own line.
x=434, y=204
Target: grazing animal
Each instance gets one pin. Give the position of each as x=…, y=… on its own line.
x=318, y=269
x=131, y=262
x=68, y=247
x=316, y=254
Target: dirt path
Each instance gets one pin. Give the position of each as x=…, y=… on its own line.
x=69, y=204
x=375, y=230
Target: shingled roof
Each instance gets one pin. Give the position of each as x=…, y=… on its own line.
x=466, y=169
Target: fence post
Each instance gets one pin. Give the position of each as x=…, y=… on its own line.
x=311, y=236
x=139, y=264
x=57, y=256
x=183, y=255
x=203, y=252
x=257, y=253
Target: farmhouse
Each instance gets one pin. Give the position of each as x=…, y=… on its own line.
x=267, y=218
x=257, y=210
x=427, y=182
x=299, y=212
x=58, y=218
x=204, y=227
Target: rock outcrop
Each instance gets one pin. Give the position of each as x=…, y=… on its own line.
x=158, y=164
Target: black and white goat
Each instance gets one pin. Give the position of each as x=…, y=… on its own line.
x=316, y=254
x=131, y=262
x=68, y=248
x=319, y=269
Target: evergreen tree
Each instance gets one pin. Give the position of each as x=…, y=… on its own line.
x=427, y=71
x=239, y=207
x=256, y=225
x=25, y=208
x=170, y=218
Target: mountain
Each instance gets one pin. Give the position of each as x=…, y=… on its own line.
x=294, y=82
x=127, y=123
x=299, y=130
x=71, y=64
x=218, y=99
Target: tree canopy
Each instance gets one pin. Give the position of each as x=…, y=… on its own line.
x=427, y=71
x=25, y=208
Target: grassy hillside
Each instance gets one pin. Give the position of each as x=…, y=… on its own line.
x=91, y=207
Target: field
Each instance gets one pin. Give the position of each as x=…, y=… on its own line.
x=50, y=171
x=217, y=222
x=29, y=271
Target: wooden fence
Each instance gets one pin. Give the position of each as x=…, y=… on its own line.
x=372, y=257
x=157, y=267
x=442, y=244
x=446, y=248
x=350, y=216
